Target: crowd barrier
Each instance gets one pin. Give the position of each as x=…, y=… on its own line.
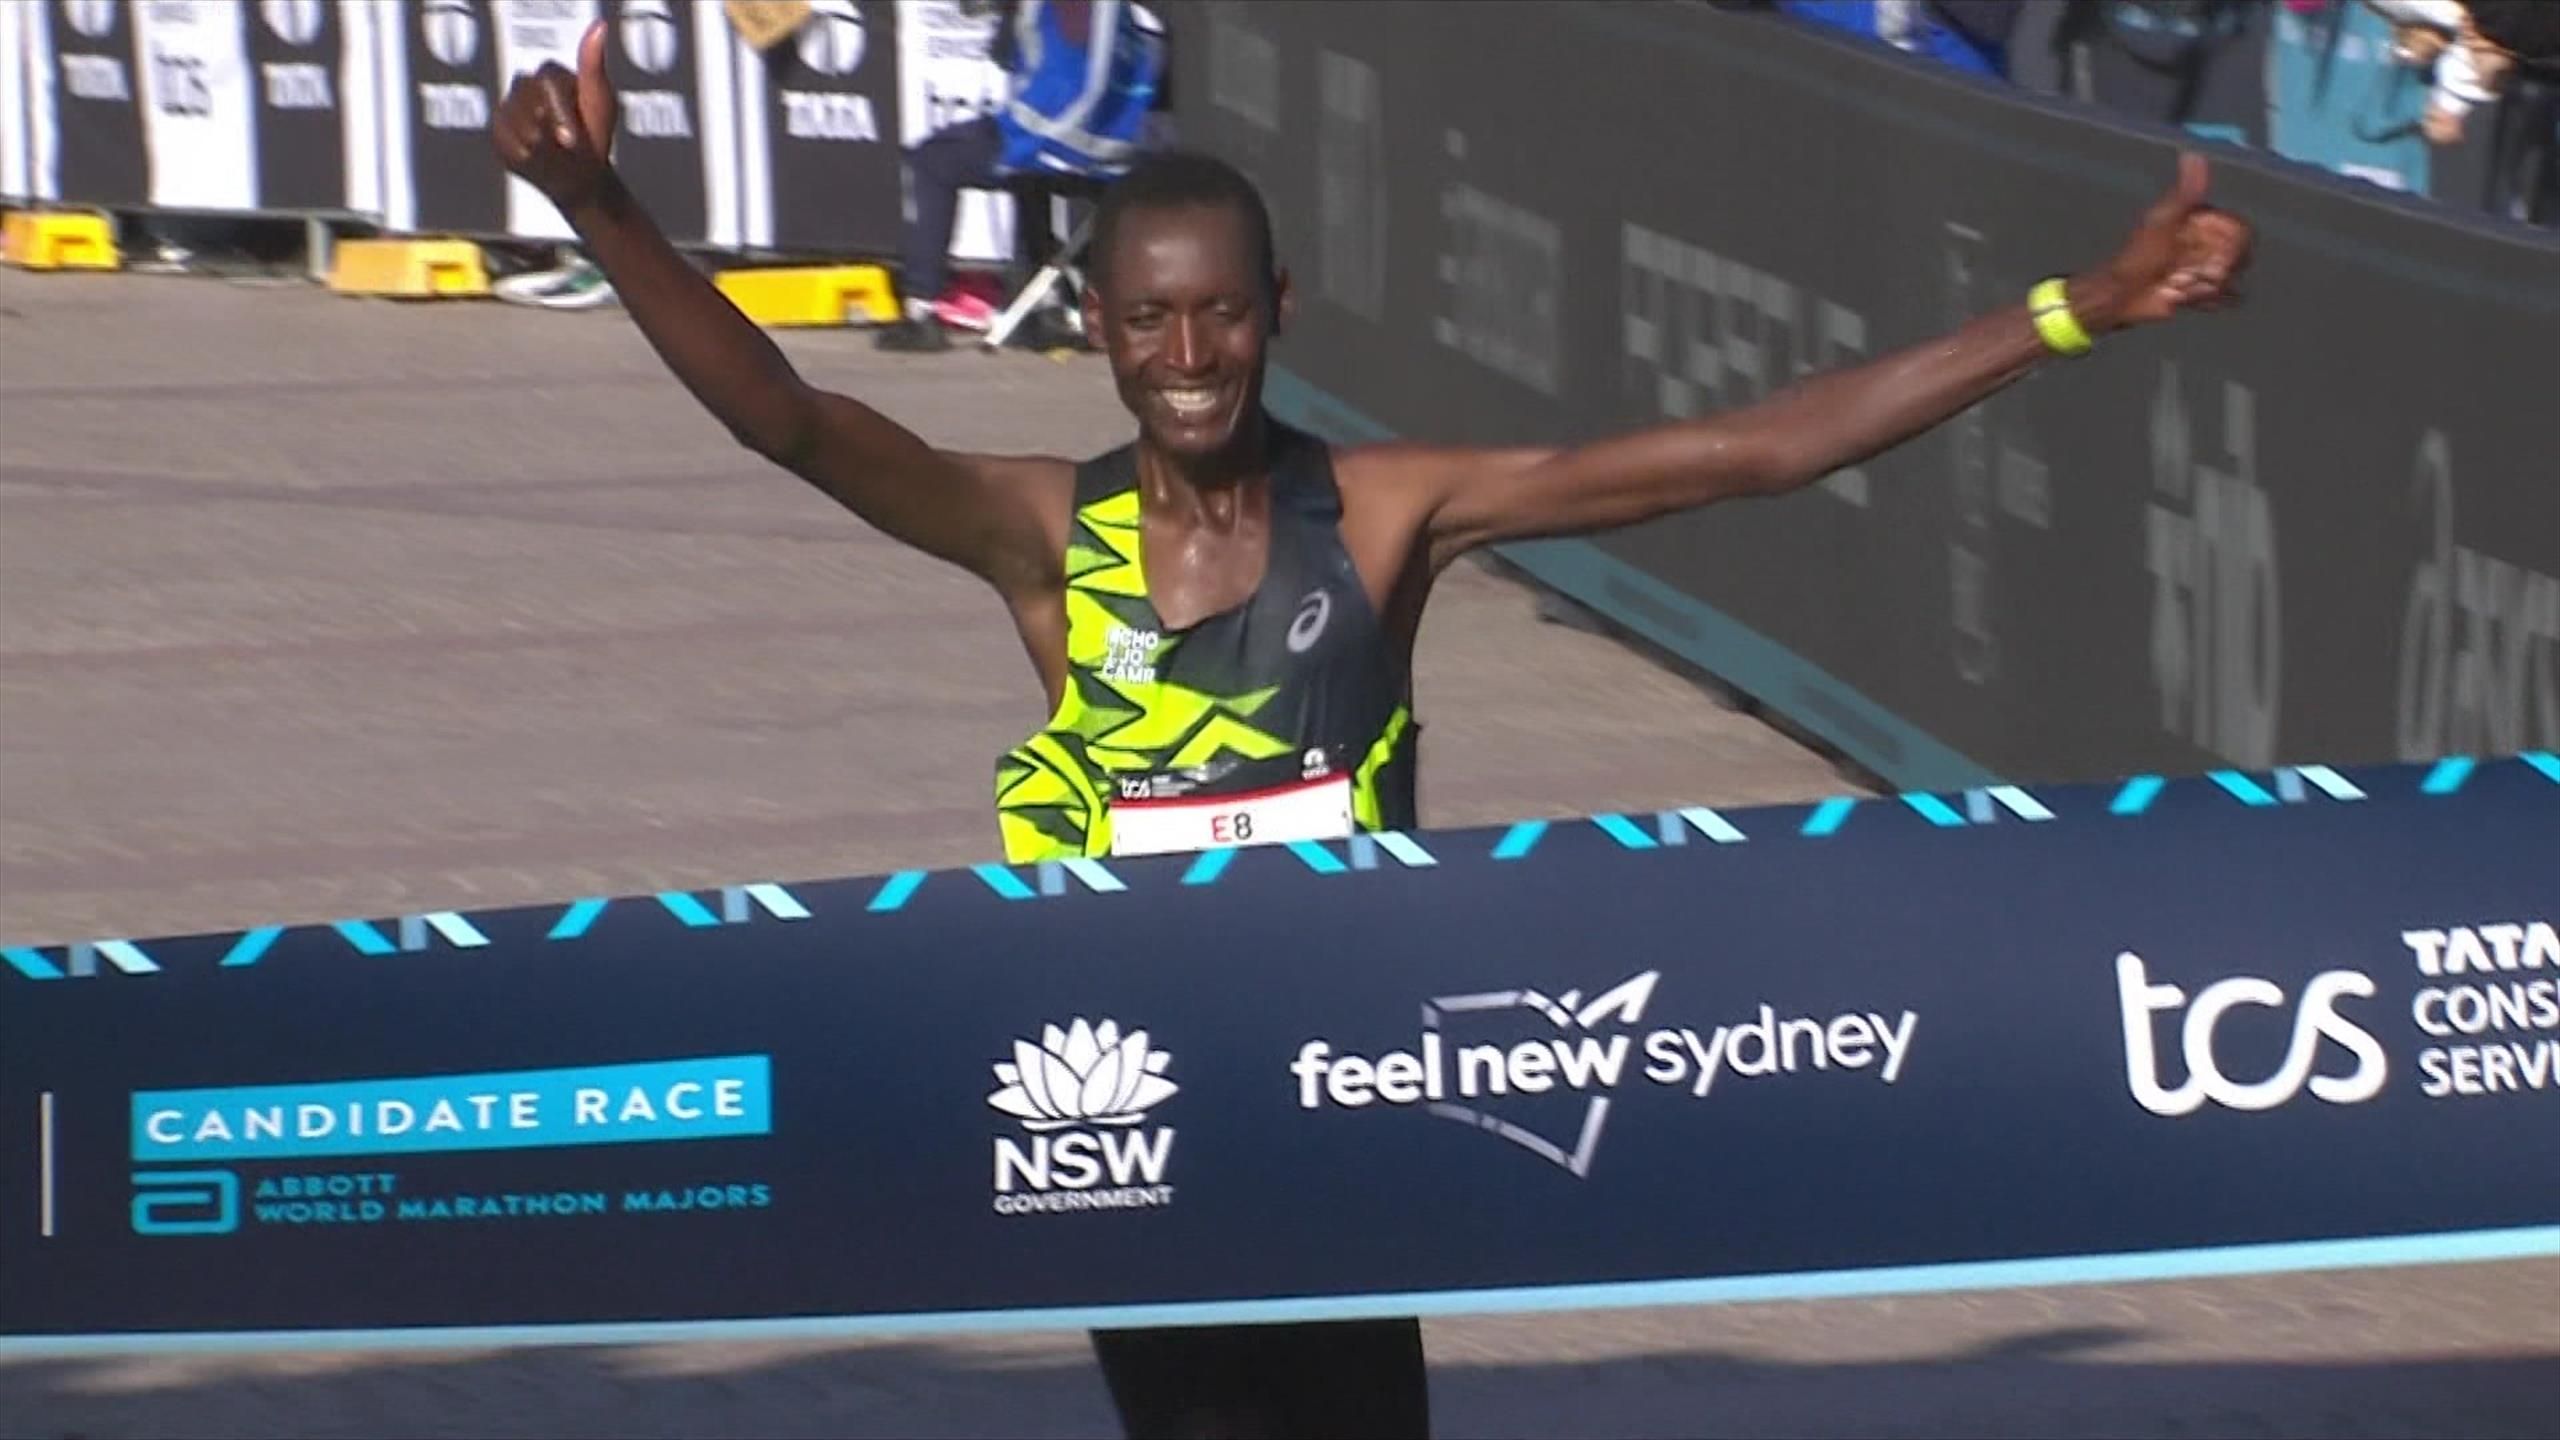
x=379, y=111
x=2114, y=1032
x=2318, y=526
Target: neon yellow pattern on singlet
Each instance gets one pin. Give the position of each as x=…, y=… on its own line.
x=1116, y=717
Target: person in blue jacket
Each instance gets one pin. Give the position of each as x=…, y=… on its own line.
x=1083, y=76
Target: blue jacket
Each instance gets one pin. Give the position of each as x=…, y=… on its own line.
x=1085, y=76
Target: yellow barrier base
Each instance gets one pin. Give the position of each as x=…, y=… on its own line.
x=408, y=269
x=812, y=295
x=58, y=240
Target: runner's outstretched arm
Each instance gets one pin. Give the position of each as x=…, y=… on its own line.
x=2183, y=255
x=556, y=130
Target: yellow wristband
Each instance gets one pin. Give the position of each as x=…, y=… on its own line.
x=2060, y=328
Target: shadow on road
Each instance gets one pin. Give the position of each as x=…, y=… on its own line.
x=2054, y=1382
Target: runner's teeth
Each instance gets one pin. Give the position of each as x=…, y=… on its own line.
x=1190, y=402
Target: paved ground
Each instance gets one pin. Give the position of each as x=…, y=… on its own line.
x=313, y=607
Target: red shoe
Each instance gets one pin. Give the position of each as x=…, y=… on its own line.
x=962, y=311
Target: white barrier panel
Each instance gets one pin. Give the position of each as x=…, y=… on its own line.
x=945, y=77
x=197, y=117
x=17, y=168
x=532, y=33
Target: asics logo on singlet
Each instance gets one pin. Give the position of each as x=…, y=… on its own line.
x=1308, y=627
x=1478, y=1051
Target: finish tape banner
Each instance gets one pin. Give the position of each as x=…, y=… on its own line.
x=2246, y=1021
x=2319, y=527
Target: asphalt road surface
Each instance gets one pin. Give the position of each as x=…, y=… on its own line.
x=312, y=606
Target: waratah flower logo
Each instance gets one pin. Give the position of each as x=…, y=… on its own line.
x=1082, y=1075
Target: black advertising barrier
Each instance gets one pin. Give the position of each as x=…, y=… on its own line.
x=88, y=93
x=820, y=142
x=664, y=149
x=441, y=71
x=2319, y=527
x=317, y=106
x=2241, y=1022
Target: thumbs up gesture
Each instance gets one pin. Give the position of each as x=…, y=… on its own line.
x=556, y=129
x=2183, y=255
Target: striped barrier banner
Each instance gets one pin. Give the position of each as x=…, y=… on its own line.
x=2166, y=1026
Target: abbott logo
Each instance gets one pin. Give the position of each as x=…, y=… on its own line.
x=452, y=31
x=295, y=22
x=1082, y=1093
x=185, y=1202
x=95, y=19
x=2316, y=1017
x=649, y=35
x=831, y=39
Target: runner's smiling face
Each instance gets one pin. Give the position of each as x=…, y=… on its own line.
x=1186, y=319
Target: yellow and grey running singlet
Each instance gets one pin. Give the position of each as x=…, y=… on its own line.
x=1292, y=686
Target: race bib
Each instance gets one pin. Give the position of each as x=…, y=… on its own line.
x=1160, y=815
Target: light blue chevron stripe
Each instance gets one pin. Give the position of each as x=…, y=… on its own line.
x=366, y=939
x=252, y=945
x=1206, y=869
x=1830, y=815
x=1002, y=881
x=1624, y=831
x=2136, y=795
x=896, y=892
x=1318, y=858
x=2447, y=775
x=1675, y=826
x=1520, y=839
x=2242, y=788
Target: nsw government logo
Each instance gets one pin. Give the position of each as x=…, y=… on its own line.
x=1081, y=1096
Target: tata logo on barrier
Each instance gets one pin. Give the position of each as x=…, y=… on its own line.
x=2315, y=1018
x=831, y=39
x=1455, y=1076
x=296, y=85
x=295, y=22
x=1082, y=1095
x=452, y=32
x=649, y=37
x=95, y=19
x=653, y=44
x=831, y=47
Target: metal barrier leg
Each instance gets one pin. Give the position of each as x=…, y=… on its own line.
x=1059, y=266
x=318, y=239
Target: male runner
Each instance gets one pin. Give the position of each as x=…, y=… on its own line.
x=1222, y=613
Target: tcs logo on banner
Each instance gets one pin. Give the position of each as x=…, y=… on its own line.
x=2315, y=1018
